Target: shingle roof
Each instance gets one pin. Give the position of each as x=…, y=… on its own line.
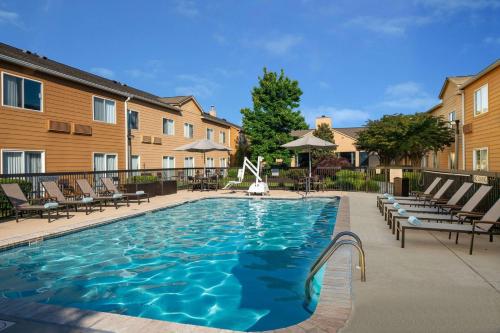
x=223, y=121
x=347, y=131
x=481, y=73
x=457, y=80
x=177, y=100
x=43, y=64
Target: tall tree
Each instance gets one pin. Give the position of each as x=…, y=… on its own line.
x=323, y=132
x=274, y=115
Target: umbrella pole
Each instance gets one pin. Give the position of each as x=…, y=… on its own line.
x=204, y=165
x=309, y=179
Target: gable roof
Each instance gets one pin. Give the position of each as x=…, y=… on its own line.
x=457, y=80
x=351, y=132
x=434, y=108
x=43, y=64
x=177, y=100
x=481, y=73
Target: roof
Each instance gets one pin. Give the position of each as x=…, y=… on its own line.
x=222, y=121
x=177, y=100
x=481, y=73
x=347, y=131
x=434, y=107
x=457, y=80
x=43, y=64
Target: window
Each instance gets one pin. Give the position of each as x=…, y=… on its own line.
x=480, y=159
x=136, y=162
x=210, y=162
x=481, y=100
x=22, y=93
x=19, y=161
x=105, y=162
x=188, y=130
x=168, y=126
x=168, y=163
x=451, y=160
x=133, y=119
x=104, y=110
x=222, y=137
x=435, y=161
x=210, y=134
x=223, y=162
x=189, y=164
x=452, y=116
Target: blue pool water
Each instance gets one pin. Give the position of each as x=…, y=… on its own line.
x=228, y=263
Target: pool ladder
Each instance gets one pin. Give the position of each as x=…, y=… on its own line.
x=335, y=244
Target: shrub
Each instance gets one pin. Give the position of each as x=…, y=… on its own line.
x=143, y=179
x=414, y=178
x=232, y=173
x=25, y=186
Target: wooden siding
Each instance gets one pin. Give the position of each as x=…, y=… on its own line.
x=452, y=101
x=485, y=127
x=151, y=124
x=63, y=101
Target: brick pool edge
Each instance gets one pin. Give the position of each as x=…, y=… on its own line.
x=331, y=314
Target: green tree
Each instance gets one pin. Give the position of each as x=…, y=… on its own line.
x=274, y=115
x=405, y=136
x=323, y=132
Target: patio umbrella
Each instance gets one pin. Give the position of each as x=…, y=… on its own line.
x=308, y=143
x=203, y=146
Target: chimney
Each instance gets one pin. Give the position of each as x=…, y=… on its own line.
x=212, y=111
x=324, y=120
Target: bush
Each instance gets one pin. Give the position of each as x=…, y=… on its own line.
x=232, y=173
x=25, y=186
x=143, y=179
x=414, y=178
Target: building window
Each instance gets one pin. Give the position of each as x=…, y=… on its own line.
x=451, y=160
x=22, y=93
x=189, y=165
x=435, y=162
x=210, y=162
x=133, y=119
x=222, y=137
x=452, y=116
x=22, y=161
x=188, y=131
x=136, y=162
x=168, y=126
x=210, y=134
x=223, y=162
x=168, y=163
x=104, y=110
x=480, y=159
x=481, y=100
x=105, y=162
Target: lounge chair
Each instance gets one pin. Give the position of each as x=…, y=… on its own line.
x=482, y=226
x=436, y=206
x=88, y=191
x=112, y=189
x=466, y=212
x=417, y=195
x=20, y=204
x=437, y=197
x=54, y=192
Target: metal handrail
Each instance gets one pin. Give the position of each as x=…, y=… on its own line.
x=328, y=252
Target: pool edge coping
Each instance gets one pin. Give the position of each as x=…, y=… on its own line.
x=331, y=314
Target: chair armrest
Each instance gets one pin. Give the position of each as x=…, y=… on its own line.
x=469, y=214
x=455, y=207
x=487, y=222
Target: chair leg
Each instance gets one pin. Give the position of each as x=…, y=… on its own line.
x=148, y=197
x=48, y=214
x=100, y=206
x=456, y=239
x=128, y=203
x=17, y=216
x=471, y=243
x=116, y=204
x=403, y=237
x=491, y=238
x=67, y=212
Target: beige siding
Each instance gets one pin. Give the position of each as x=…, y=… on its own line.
x=151, y=124
x=485, y=127
x=67, y=102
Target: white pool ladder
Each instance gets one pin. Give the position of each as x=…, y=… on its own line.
x=328, y=252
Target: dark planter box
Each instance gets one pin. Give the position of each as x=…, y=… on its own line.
x=153, y=189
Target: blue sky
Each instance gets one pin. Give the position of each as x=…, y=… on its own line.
x=354, y=60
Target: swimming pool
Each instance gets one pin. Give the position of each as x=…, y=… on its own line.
x=228, y=263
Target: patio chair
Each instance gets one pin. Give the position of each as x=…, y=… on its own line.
x=482, y=226
x=437, y=197
x=112, y=189
x=438, y=207
x=88, y=191
x=417, y=195
x=231, y=183
x=318, y=182
x=213, y=182
x=20, y=204
x=54, y=193
x=466, y=212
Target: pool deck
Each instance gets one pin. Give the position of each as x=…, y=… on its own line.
x=433, y=285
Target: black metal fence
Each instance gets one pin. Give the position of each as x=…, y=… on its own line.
x=376, y=180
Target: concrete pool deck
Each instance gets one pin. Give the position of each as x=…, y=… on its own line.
x=433, y=285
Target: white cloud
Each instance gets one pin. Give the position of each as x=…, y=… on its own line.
x=408, y=96
x=324, y=85
x=396, y=26
x=148, y=71
x=220, y=39
x=280, y=45
x=341, y=117
x=7, y=17
x=451, y=6
x=187, y=8
x=492, y=40
x=195, y=85
x=101, y=71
